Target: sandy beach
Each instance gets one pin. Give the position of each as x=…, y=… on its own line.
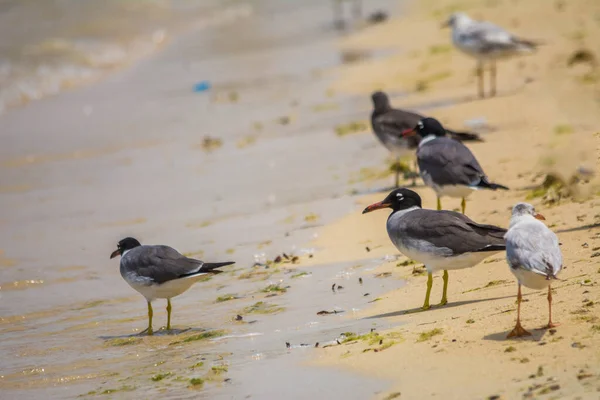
x=544, y=120
x=270, y=167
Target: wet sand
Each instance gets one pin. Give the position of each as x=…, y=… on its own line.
x=129, y=156
x=544, y=120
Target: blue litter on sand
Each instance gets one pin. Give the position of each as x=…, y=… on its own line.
x=202, y=86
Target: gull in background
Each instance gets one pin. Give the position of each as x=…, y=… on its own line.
x=486, y=42
x=534, y=256
x=442, y=240
x=448, y=166
x=160, y=272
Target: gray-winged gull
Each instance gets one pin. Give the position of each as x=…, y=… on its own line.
x=486, y=42
x=533, y=254
x=442, y=240
x=388, y=123
x=446, y=165
x=160, y=272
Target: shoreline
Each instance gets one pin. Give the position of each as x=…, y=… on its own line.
x=95, y=65
x=460, y=350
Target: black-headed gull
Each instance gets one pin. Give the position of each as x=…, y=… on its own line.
x=446, y=165
x=388, y=123
x=159, y=272
x=442, y=240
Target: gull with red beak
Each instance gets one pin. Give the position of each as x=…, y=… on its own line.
x=442, y=240
x=534, y=256
x=160, y=272
x=388, y=123
x=448, y=166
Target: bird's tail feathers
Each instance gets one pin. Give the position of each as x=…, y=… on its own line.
x=464, y=136
x=211, y=267
x=529, y=45
x=492, y=247
x=484, y=183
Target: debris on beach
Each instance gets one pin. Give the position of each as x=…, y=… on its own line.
x=325, y=312
x=377, y=17
x=210, y=143
x=351, y=128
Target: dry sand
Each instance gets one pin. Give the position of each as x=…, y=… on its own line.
x=546, y=117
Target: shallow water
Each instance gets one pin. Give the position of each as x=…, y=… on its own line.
x=126, y=156
x=47, y=46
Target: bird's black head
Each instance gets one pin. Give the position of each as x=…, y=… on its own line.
x=381, y=101
x=399, y=199
x=426, y=127
x=125, y=244
x=430, y=126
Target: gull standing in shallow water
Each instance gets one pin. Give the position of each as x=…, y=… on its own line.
x=533, y=254
x=486, y=42
x=388, y=123
x=442, y=240
x=160, y=272
x=448, y=166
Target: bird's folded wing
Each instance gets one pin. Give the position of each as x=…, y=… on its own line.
x=449, y=162
x=163, y=264
x=535, y=248
x=451, y=230
x=486, y=34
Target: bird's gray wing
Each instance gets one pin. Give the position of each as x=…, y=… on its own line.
x=393, y=122
x=487, y=37
x=453, y=231
x=534, y=247
x=449, y=162
x=161, y=263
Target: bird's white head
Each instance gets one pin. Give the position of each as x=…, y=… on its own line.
x=457, y=19
x=524, y=211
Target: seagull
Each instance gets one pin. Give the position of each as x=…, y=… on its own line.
x=388, y=124
x=486, y=42
x=442, y=240
x=160, y=272
x=533, y=254
x=447, y=166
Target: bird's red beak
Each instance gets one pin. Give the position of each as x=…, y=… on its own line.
x=115, y=253
x=376, y=206
x=539, y=216
x=408, y=132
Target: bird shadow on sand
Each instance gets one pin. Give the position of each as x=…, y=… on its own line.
x=579, y=228
x=452, y=101
x=433, y=308
x=536, y=336
x=159, y=332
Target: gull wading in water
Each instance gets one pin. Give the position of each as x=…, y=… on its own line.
x=534, y=256
x=160, y=272
x=448, y=166
x=486, y=42
x=388, y=123
x=442, y=240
